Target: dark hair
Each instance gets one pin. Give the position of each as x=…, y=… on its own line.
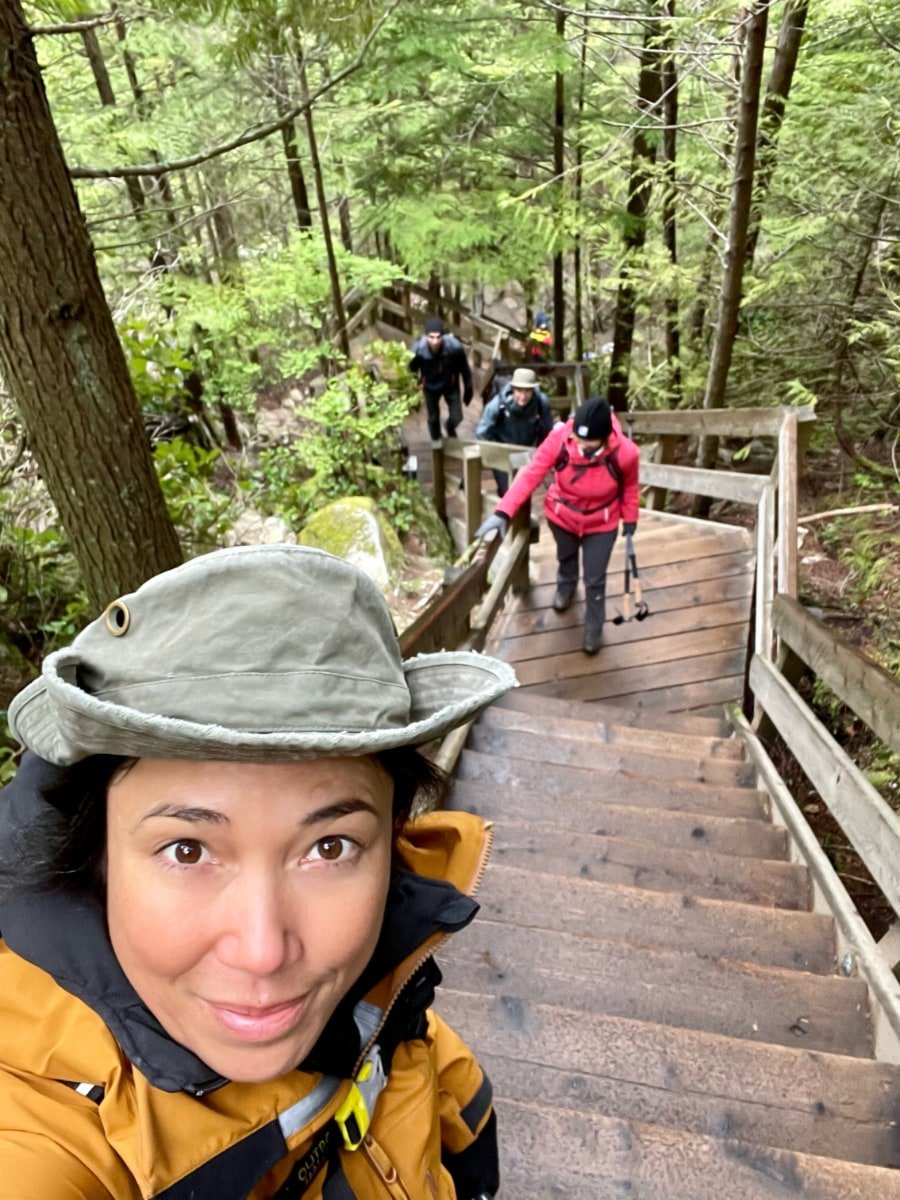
x=64, y=849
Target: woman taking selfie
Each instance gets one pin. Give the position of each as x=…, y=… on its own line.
x=217, y=916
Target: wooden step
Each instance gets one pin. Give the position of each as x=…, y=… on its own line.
x=488, y=737
x=693, y=681
x=621, y=786
x=712, y=928
x=625, y=737
x=669, y=651
x=701, y=1082
x=643, y=638
x=678, y=988
x=701, y=581
x=687, y=830
x=634, y=715
x=634, y=862
x=577, y=1155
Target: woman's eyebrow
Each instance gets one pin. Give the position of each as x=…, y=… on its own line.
x=340, y=808
x=183, y=812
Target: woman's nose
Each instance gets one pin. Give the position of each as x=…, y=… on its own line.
x=255, y=931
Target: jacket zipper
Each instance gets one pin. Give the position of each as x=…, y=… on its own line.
x=438, y=941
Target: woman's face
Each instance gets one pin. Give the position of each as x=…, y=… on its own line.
x=245, y=900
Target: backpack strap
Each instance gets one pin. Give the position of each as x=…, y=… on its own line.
x=610, y=461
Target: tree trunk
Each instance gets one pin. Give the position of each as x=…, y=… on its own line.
x=779, y=88
x=59, y=351
x=559, y=167
x=296, y=177
x=337, y=298
x=738, y=221
x=670, y=122
x=643, y=156
x=577, y=265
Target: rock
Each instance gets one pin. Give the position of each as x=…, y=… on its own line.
x=253, y=529
x=355, y=530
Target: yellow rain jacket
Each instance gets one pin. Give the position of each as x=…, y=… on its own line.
x=97, y=1103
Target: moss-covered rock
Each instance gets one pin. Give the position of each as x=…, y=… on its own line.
x=430, y=530
x=354, y=529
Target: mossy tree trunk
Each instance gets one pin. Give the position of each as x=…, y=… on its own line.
x=59, y=352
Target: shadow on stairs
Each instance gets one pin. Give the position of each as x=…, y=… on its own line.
x=656, y=1006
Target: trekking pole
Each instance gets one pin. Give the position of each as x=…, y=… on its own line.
x=641, y=610
x=627, y=611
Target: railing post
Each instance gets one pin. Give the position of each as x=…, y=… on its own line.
x=656, y=497
x=787, y=506
x=439, y=482
x=765, y=573
x=472, y=481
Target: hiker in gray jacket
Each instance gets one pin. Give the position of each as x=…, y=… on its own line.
x=518, y=415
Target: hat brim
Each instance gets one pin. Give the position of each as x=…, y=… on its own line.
x=63, y=723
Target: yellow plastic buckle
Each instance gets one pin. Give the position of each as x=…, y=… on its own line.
x=354, y=1115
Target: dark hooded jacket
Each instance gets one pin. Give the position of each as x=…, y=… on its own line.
x=440, y=373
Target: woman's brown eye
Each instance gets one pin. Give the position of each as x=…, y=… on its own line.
x=330, y=848
x=187, y=853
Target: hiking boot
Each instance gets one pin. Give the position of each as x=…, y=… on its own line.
x=593, y=640
x=562, y=600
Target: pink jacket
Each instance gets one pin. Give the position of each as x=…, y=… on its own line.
x=584, y=495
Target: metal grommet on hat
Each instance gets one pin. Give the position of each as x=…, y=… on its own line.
x=117, y=618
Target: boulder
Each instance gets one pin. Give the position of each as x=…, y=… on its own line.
x=253, y=529
x=354, y=529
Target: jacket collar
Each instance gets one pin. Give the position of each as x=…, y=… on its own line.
x=66, y=936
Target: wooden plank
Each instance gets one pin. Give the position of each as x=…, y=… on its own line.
x=656, y=763
x=700, y=1082
x=619, y=658
x=624, y=786
x=765, y=573
x=761, y=1004
x=711, y=927
x=660, y=624
x=699, y=699
x=787, y=505
x=869, y=822
x=872, y=693
x=722, y=485
x=723, y=422
x=628, y=714
x=577, y=1155
x=667, y=600
x=609, y=817
x=637, y=682
x=549, y=725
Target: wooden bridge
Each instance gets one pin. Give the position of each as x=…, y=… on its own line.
x=667, y=983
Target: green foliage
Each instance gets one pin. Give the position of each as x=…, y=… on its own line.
x=350, y=447
x=201, y=511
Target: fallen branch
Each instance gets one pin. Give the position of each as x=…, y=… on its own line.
x=847, y=512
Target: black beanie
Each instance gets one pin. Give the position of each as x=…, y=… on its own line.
x=593, y=421
x=434, y=325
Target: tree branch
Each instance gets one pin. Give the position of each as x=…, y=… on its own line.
x=254, y=134
x=71, y=26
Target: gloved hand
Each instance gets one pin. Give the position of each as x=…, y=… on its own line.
x=467, y=397
x=628, y=528
x=496, y=522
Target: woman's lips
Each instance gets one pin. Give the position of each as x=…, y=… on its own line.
x=258, y=1024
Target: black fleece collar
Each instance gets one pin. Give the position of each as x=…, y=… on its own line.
x=66, y=936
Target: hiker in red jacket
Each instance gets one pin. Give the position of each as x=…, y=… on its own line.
x=594, y=487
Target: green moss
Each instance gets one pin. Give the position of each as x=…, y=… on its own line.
x=342, y=526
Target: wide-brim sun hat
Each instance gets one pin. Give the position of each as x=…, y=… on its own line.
x=523, y=377
x=251, y=654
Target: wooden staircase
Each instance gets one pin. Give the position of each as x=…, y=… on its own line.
x=657, y=1008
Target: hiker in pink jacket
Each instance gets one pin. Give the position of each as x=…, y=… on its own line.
x=594, y=487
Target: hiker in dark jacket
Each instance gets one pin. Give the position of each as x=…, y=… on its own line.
x=440, y=363
x=594, y=487
x=519, y=415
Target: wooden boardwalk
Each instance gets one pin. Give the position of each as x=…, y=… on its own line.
x=658, y=1008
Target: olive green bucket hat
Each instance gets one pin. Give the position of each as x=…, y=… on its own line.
x=257, y=653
